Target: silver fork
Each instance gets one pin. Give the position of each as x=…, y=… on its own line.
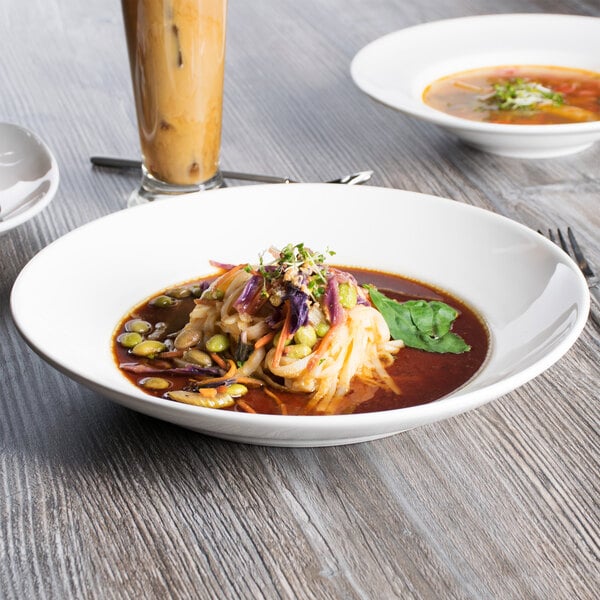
x=575, y=252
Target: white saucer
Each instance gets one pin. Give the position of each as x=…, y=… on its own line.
x=28, y=176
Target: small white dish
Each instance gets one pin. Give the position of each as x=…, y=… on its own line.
x=532, y=296
x=28, y=176
x=396, y=68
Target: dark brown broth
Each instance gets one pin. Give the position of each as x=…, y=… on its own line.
x=422, y=376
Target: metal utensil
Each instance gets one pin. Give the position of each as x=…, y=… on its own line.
x=126, y=163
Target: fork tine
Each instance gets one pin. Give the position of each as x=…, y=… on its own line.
x=551, y=236
x=579, y=257
x=563, y=243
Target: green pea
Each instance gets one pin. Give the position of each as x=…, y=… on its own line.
x=155, y=383
x=163, y=301
x=298, y=351
x=129, y=339
x=322, y=329
x=348, y=295
x=306, y=335
x=235, y=390
x=138, y=326
x=148, y=348
x=197, y=357
x=217, y=343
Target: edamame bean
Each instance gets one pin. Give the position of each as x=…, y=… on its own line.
x=163, y=301
x=215, y=294
x=348, y=295
x=306, y=335
x=198, y=357
x=129, y=339
x=148, y=348
x=322, y=329
x=179, y=292
x=155, y=383
x=217, y=343
x=235, y=390
x=298, y=351
x=160, y=331
x=138, y=326
x=276, y=339
x=197, y=291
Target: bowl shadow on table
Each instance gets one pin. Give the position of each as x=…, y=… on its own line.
x=89, y=436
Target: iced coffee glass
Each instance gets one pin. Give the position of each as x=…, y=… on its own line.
x=177, y=55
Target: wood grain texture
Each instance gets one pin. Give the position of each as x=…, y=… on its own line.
x=100, y=502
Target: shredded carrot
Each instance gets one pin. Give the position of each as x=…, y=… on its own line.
x=208, y=392
x=264, y=340
x=245, y=406
x=225, y=279
x=285, y=334
x=322, y=347
x=230, y=373
x=218, y=360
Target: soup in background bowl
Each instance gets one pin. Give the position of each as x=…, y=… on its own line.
x=518, y=95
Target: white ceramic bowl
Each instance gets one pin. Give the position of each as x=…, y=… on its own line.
x=532, y=296
x=396, y=68
x=28, y=176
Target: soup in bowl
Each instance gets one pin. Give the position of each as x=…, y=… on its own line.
x=518, y=95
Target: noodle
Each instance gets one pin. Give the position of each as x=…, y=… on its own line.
x=246, y=304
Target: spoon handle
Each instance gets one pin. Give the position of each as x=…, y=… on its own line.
x=127, y=163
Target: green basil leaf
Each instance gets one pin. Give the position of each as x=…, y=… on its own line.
x=420, y=324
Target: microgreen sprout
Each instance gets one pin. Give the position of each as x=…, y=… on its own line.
x=297, y=265
x=519, y=94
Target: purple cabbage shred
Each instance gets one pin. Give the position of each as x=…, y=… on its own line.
x=145, y=369
x=299, y=305
x=331, y=301
x=248, y=295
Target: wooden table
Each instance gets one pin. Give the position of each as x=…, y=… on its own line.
x=101, y=502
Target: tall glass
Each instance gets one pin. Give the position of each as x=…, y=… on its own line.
x=177, y=58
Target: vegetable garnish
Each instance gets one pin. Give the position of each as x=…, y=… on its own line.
x=519, y=94
x=298, y=265
x=421, y=324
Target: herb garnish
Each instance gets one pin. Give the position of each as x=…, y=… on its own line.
x=419, y=323
x=299, y=266
x=519, y=94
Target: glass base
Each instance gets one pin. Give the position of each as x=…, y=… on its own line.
x=152, y=189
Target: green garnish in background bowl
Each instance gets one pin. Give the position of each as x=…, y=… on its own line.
x=519, y=94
